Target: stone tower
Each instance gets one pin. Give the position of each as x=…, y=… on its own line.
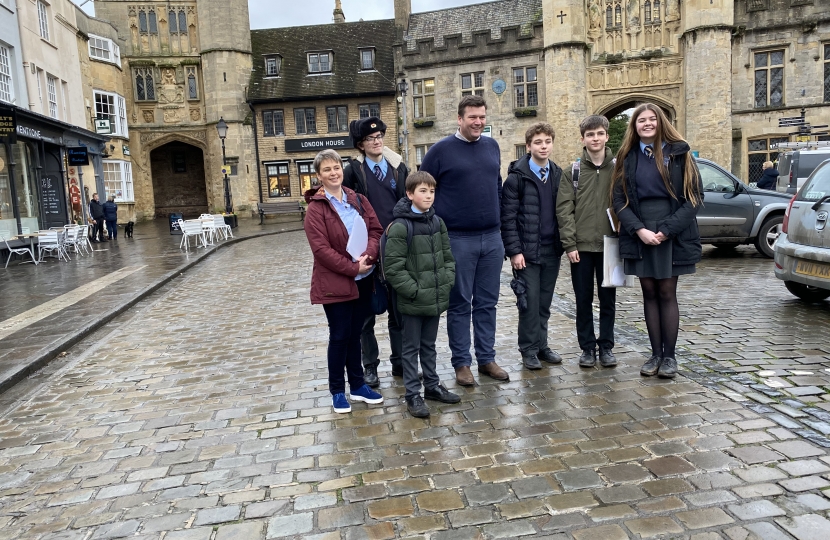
x=705, y=44
x=566, y=65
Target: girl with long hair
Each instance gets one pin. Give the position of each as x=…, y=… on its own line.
x=656, y=192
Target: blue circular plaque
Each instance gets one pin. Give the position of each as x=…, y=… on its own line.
x=499, y=86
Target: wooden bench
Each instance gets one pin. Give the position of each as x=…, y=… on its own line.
x=281, y=207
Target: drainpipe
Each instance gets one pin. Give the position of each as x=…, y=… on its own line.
x=256, y=152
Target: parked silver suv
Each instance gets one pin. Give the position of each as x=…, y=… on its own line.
x=796, y=161
x=802, y=252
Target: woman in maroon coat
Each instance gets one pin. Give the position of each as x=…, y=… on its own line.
x=340, y=283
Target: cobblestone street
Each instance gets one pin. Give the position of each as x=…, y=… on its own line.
x=204, y=413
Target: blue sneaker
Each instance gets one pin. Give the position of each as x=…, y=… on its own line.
x=340, y=403
x=364, y=393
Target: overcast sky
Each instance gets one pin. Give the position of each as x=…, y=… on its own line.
x=276, y=13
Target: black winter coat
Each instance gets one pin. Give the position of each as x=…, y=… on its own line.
x=768, y=179
x=354, y=177
x=680, y=227
x=521, y=225
x=96, y=211
x=110, y=211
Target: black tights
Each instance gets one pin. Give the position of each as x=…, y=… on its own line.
x=662, y=314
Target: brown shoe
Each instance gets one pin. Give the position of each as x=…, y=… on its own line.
x=464, y=376
x=493, y=370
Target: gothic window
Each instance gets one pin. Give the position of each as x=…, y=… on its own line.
x=609, y=17
x=154, y=27
x=192, y=87
x=145, y=89
x=171, y=18
x=182, y=22
x=142, y=21
x=656, y=11
x=617, y=16
x=647, y=9
x=769, y=78
x=827, y=72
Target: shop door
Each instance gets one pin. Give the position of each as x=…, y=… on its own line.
x=52, y=191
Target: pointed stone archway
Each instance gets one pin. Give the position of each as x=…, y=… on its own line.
x=179, y=181
x=634, y=100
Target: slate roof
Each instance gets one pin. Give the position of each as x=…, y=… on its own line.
x=465, y=20
x=343, y=39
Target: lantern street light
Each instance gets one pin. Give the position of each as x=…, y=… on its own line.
x=403, y=86
x=222, y=129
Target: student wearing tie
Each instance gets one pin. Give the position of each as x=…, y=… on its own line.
x=379, y=174
x=656, y=192
x=531, y=239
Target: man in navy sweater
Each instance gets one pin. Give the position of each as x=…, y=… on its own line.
x=467, y=168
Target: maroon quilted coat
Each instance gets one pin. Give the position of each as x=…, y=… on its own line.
x=332, y=278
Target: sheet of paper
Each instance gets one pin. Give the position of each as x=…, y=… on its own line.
x=359, y=238
x=611, y=219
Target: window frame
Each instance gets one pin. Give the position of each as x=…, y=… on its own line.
x=125, y=179
x=311, y=174
x=274, y=194
x=474, y=86
x=369, y=108
x=305, y=131
x=114, y=51
x=144, y=72
x=52, y=95
x=418, y=150
x=341, y=117
x=521, y=151
x=119, y=112
x=767, y=69
x=272, y=123
x=277, y=58
x=318, y=54
x=768, y=152
x=524, y=86
x=420, y=96
x=43, y=19
x=371, y=51
x=826, y=63
x=191, y=71
x=6, y=75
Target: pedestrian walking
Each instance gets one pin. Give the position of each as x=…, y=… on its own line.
x=531, y=239
x=467, y=168
x=657, y=191
x=769, y=178
x=111, y=217
x=379, y=174
x=582, y=213
x=419, y=265
x=96, y=212
x=340, y=283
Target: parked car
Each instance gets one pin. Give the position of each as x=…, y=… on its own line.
x=796, y=165
x=734, y=213
x=802, y=253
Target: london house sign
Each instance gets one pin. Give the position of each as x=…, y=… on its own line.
x=316, y=145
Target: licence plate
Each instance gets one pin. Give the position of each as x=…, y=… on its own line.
x=813, y=269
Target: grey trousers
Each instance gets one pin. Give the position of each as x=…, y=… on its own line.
x=370, y=352
x=541, y=280
x=419, y=335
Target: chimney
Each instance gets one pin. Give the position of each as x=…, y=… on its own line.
x=338, y=12
x=403, y=9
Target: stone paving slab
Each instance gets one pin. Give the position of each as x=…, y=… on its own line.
x=175, y=426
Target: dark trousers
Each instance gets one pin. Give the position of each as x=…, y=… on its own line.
x=419, y=335
x=583, y=275
x=478, y=262
x=541, y=280
x=112, y=228
x=368, y=342
x=345, y=324
x=98, y=230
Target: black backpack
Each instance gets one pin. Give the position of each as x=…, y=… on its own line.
x=410, y=230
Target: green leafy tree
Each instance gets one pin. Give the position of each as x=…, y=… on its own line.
x=616, y=131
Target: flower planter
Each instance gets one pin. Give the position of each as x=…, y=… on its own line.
x=424, y=124
x=525, y=112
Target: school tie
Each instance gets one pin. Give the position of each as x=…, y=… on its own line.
x=543, y=174
x=649, y=151
x=378, y=173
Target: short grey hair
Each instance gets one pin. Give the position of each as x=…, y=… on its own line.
x=326, y=155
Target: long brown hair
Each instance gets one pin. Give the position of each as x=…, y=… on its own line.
x=665, y=132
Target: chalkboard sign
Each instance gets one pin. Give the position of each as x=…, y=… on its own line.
x=52, y=200
x=78, y=155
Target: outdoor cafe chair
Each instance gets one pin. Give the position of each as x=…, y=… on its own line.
x=84, y=237
x=221, y=226
x=190, y=228
x=15, y=251
x=209, y=227
x=49, y=242
x=72, y=238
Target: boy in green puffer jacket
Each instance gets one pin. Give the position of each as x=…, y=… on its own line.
x=420, y=267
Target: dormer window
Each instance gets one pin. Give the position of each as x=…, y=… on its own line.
x=319, y=62
x=273, y=63
x=367, y=59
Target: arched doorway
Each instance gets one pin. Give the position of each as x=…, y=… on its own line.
x=632, y=102
x=178, y=171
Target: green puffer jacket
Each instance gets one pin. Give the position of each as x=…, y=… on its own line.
x=424, y=272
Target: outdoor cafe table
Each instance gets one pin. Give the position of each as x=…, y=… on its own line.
x=31, y=237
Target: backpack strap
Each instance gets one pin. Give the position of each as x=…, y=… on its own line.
x=575, y=175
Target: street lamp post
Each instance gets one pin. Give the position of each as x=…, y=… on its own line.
x=222, y=129
x=402, y=88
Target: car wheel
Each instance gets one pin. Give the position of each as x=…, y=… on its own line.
x=807, y=293
x=767, y=235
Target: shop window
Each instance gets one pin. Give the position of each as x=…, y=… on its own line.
x=118, y=179
x=423, y=98
x=145, y=88
x=319, y=62
x=111, y=106
x=338, y=118
x=43, y=19
x=6, y=81
x=472, y=83
x=8, y=223
x=760, y=150
x=192, y=85
x=369, y=109
x=769, y=78
x=307, y=176
x=305, y=120
x=367, y=59
x=272, y=65
x=278, y=180
x=25, y=185
x=524, y=87
x=273, y=123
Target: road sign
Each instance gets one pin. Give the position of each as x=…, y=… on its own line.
x=791, y=121
x=103, y=126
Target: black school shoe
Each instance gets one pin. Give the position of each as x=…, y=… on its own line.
x=588, y=358
x=668, y=369
x=607, y=358
x=549, y=356
x=439, y=393
x=370, y=377
x=416, y=407
x=651, y=366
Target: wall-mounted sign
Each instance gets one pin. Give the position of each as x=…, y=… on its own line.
x=499, y=86
x=316, y=145
x=103, y=126
x=487, y=131
x=78, y=155
x=8, y=123
x=125, y=149
x=31, y=133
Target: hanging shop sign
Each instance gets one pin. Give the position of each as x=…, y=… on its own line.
x=8, y=122
x=78, y=155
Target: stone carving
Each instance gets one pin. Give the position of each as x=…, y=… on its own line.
x=635, y=74
x=148, y=115
x=632, y=9
x=172, y=116
x=182, y=135
x=170, y=92
x=195, y=114
x=673, y=10
x=594, y=15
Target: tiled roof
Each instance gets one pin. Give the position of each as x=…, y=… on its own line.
x=346, y=79
x=465, y=20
